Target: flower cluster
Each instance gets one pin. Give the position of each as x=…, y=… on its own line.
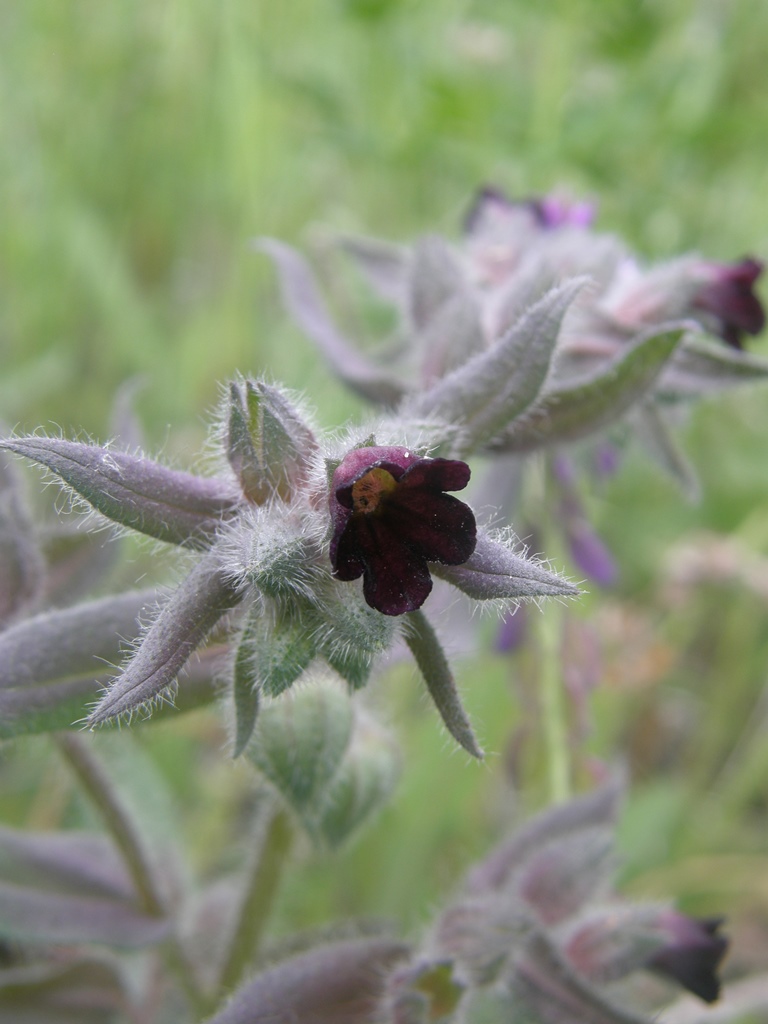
x=612, y=335
x=537, y=932
x=283, y=533
x=535, y=332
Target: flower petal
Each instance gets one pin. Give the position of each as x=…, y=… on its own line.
x=436, y=525
x=395, y=578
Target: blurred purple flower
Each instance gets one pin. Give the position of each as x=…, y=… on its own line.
x=492, y=205
x=589, y=553
x=693, y=953
x=391, y=517
x=729, y=297
x=606, y=459
x=513, y=631
x=555, y=212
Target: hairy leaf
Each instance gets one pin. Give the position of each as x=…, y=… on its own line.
x=569, y=413
x=163, y=503
x=487, y=392
x=182, y=625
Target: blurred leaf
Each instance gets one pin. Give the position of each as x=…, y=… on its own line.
x=53, y=663
x=33, y=914
x=340, y=983
x=569, y=413
x=22, y=569
x=304, y=303
x=435, y=277
x=484, y=395
x=364, y=782
x=69, y=862
x=77, y=990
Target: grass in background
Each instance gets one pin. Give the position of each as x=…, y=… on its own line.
x=142, y=145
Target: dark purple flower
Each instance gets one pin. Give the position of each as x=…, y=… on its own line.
x=693, y=953
x=729, y=298
x=391, y=517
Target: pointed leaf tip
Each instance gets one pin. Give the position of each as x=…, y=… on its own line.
x=494, y=571
x=182, y=625
x=433, y=665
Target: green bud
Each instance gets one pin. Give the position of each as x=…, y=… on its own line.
x=270, y=657
x=268, y=442
x=363, y=784
x=299, y=743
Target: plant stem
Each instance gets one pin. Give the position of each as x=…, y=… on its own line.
x=100, y=789
x=553, y=710
x=275, y=836
x=102, y=793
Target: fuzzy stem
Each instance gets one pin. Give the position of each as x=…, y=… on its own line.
x=276, y=837
x=102, y=793
x=97, y=784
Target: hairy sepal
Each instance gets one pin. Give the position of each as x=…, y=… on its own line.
x=299, y=743
x=269, y=445
x=135, y=492
x=495, y=572
x=361, y=786
x=436, y=672
x=273, y=652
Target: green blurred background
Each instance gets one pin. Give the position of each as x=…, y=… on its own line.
x=143, y=145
